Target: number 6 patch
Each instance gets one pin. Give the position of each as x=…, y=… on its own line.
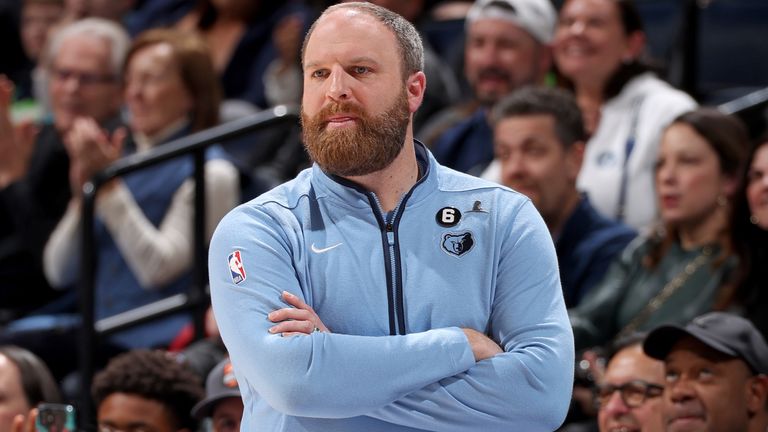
x=448, y=216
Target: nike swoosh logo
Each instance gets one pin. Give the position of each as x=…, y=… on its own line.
x=316, y=250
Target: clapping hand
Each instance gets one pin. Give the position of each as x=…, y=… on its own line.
x=90, y=149
x=16, y=141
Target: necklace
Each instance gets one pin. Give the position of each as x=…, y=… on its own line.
x=669, y=289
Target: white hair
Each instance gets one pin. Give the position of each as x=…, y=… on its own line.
x=107, y=30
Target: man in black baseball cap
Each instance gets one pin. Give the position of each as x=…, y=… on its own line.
x=223, y=402
x=715, y=369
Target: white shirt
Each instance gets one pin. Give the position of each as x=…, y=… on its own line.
x=604, y=158
x=156, y=255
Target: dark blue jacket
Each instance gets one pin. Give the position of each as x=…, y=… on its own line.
x=468, y=146
x=586, y=247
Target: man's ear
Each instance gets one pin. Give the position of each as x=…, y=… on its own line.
x=415, y=86
x=757, y=394
x=575, y=159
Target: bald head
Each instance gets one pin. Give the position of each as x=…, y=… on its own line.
x=409, y=43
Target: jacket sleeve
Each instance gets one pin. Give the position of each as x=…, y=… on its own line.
x=321, y=375
x=594, y=319
x=528, y=387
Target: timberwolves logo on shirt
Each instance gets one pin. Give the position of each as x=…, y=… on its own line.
x=458, y=244
x=236, y=268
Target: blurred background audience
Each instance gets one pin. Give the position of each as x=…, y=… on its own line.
x=598, y=50
x=84, y=62
x=678, y=271
x=644, y=156
x=539, y=144
x=25, y=381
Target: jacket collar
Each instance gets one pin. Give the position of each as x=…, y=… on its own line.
x=349, y=193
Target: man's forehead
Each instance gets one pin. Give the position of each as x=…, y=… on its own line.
x=347, y=26
x=688, y=346
x=630, y=364
x=84, y=48
x=526, y=126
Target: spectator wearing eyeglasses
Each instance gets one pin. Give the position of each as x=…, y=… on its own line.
x=629, y=394
x=83, y=61
x=715, y=368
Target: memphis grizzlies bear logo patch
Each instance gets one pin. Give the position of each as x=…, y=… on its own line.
x=458, y=244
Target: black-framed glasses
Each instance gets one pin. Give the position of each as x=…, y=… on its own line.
x=633, y=393
x=85, y=79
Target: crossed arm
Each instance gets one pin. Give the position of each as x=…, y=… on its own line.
x=301, y=319
x=430, y=380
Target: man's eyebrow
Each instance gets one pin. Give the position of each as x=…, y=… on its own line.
x=354, y=60
x=130, y=425
x=363, y=59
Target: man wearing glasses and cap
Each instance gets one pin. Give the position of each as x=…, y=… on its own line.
x=715, y=374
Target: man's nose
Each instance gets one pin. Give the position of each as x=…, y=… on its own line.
x=577, y=27
x=489, y=55
x=615, y=405
x=71, y=84
x=338, y=85
x=513, y=168
x=680, y=391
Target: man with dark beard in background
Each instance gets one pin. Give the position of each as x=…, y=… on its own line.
x=378, y=290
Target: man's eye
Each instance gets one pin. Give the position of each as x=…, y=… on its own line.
x=319, y=74
x=671, y=376
x=360, y=70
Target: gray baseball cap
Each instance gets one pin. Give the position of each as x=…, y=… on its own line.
x=220, y=384
x=727, y=333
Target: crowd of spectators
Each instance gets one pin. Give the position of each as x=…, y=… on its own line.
x=658, y=208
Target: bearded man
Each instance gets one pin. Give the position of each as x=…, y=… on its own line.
x=415, y=297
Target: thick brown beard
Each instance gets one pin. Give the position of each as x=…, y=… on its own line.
x=370, y=146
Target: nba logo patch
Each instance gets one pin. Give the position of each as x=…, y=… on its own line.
x=236, y=269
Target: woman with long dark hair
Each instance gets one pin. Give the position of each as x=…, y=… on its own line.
x=675, y=273
x=748, y=290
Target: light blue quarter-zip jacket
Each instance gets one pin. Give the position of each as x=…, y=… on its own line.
x=395, y=290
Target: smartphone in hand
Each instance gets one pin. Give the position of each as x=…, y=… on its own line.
x=55, y=418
